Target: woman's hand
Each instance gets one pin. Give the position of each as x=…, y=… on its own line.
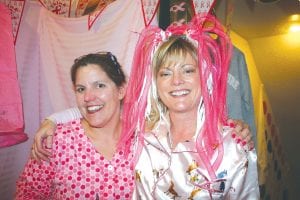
x=241, y=133
x=43, y=141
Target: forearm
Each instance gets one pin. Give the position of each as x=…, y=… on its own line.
x=65, y=115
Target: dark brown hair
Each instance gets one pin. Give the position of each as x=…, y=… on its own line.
x=106, y=61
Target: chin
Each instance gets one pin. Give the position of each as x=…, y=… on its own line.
x=95, y=123
x=181, y=108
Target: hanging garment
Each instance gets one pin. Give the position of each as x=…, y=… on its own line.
x=239, y=95
x=11, y=111
x=178, y=12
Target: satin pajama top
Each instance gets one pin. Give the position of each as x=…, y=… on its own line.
x=163, y=173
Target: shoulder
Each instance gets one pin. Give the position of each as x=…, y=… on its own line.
x=67, y=130
x=235, y=157
x=235, y=154
x=68, y=126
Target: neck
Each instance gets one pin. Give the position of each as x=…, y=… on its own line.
x=183, y=126
x=110, y=131
x=105, y=138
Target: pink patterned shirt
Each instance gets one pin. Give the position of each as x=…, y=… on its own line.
x=76, y=171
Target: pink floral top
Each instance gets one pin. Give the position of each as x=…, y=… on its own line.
x=76, y=171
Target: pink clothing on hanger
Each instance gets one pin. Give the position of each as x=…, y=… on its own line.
x=11, y=111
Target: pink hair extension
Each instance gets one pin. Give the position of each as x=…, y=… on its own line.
x=213, y=60
x=135, y=102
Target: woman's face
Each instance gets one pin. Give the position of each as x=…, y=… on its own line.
x=97, y=96
x=178, y=85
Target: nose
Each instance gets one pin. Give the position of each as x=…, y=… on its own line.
x=177, y=78
x=89, y=95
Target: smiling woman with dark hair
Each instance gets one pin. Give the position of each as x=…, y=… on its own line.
x=85, y=147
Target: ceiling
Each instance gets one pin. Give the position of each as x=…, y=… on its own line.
x=277, y=57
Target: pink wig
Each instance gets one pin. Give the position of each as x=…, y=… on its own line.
x=214, y=50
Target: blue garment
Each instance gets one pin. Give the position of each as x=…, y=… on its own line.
x=239, y=95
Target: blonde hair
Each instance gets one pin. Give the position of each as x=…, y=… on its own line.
x=175, y=49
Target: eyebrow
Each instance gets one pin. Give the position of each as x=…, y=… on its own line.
x=181, y=66
x=187, y=64
x=78, y=85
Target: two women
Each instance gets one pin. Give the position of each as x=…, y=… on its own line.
x=184, y=149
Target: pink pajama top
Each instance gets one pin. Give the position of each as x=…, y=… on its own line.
x=76, y=171
x=166, y=173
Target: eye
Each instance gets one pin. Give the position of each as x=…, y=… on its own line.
x=100, y=85
x=163, y=73
x=189, y=69
x=79, y=89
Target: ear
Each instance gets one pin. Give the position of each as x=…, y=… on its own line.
x=122, y=91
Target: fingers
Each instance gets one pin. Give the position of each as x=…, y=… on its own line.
x=36, y=155
x=241, y=133
x=39, y=149
x=49, y=142
x=43, y=141
x=33, y=155
x=231, y=123
x=248, y=138
x=244, y=134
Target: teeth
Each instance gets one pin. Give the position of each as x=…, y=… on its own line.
x=94, y=108
x=179, y=93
